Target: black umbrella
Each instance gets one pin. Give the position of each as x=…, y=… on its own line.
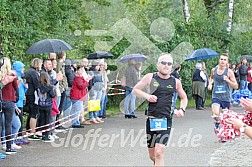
x=99, y=55
x=48, y=46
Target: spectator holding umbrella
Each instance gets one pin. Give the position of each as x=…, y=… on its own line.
x=31, y=77
x=198, y=87
x=131, y=81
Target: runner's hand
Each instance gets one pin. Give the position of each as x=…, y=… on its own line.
x=179, y=113
x=152, y=98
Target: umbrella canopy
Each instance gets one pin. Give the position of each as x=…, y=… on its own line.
x=100, y=55
x=137, y=57
x=248, y=57
x=201, y=54
x=48, y=46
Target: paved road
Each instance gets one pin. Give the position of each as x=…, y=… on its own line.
x=120, y=142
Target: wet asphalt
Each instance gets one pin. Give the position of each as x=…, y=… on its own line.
x=121, y=142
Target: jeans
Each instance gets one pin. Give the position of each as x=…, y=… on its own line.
x=8, y=110
x=95, y=95
x=58, y=101
x=174, y=99
x=16, y=124
x=67, y=105
x=77, y=106
x=130, y=102
x=104, y=100
x=243, y=84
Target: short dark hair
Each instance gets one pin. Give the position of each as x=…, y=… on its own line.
x=79, y=66
x=60, y=54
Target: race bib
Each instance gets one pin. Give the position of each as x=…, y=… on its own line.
x=158, y=124
x=220, y=89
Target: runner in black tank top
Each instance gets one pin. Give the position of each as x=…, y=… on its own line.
x=159, y=122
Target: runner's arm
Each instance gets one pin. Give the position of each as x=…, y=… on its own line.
x=231, y=79
x=143, y=83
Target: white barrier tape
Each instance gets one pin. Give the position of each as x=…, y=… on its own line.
x=123, y=90
x=111, y=94
x=40, y=126
x=41, y=131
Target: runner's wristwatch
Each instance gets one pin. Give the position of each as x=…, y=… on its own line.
x=242, y=129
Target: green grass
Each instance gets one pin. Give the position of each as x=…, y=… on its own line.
x=113, y=110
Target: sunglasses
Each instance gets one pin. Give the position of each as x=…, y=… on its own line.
x=164, y=63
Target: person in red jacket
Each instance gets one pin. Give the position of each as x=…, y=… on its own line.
x=78, y=95
x=8, y=101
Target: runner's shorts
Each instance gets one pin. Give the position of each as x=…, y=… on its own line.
x=160, y=136
x=222, y=104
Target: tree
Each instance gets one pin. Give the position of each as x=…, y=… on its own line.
x=186, y=10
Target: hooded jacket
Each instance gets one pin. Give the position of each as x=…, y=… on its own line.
x=18, y=66
x=50, y=94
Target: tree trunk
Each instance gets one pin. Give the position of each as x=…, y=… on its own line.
x=186, y=10
x=230, y=16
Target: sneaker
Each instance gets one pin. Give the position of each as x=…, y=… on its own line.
x=55, y=136
x=39, y=134
x=48, y=140
x=15, y=147
x=85, y=123
x=93, y=120
x=77, y=126
x=217, y=128
x=4, y=146
x=9, y=151
x=18, y=142
x=59, y=130
x=99, y=120
x=24, y=141
x=2, y=156
x=223, y=139
x=33, y=137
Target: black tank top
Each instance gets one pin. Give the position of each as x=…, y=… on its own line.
x=163, y=89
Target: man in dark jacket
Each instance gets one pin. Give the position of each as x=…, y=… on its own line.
x=243, y=71
x=31, y=77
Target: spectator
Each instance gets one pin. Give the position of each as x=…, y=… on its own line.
x=78, y=95
x=31, y=77
x=198, y=87
x=8, y=102
x=243, y=72
x=18, y=66
x=131, y=81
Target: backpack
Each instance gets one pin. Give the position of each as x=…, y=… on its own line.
x=43, y=99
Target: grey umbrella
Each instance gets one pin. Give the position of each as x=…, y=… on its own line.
x=100, y=55
x=48, y=46
x=136, y=57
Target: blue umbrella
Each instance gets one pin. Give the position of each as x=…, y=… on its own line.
x=137, y=57
x=201, y=54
